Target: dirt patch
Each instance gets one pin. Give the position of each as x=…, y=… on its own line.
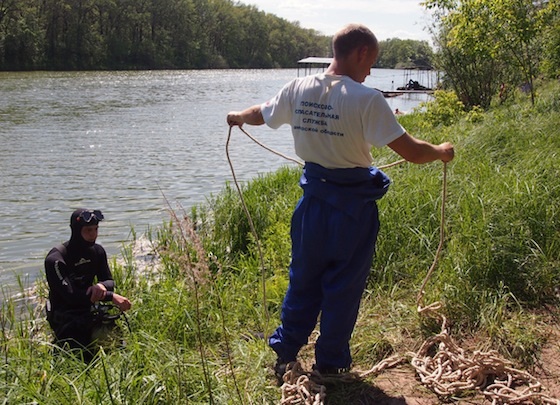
x=548, y=369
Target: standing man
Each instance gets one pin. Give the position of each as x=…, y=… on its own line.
x=335, y=122
x=78, y=276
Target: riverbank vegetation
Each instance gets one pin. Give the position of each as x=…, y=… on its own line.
x=486, y=47
x=215, y=287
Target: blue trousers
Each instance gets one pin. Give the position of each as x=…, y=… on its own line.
x=333, y=233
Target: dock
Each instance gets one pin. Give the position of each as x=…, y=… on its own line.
x=315, y=64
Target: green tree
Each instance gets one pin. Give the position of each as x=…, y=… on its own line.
x=465, y=51
x=184, y=40
x=253, y=47
x=20, y=34
x=551, y=38
x=519, y=27
x=405, y=53
x=484, y=43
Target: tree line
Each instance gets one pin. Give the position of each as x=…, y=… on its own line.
x=164, y=34
x=149, y=34
x=396, y=53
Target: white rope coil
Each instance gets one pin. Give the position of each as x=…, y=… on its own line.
x=451, y=371
x=299, y=389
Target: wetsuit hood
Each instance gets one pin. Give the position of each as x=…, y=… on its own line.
x=76, y=225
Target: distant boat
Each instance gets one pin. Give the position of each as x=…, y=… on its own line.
x=414, y=85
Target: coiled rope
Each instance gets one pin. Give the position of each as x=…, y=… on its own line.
x=449, y=371
x=299, y=388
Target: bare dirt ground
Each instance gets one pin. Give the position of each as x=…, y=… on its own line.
x=401, y=386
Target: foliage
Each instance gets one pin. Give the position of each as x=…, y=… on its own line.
x=501, y=215
x=226, y=228
x=404, y=53
x=148, y=34
x=551, y=37
x=484, y=43
x=466, y=56
x=198, y=313
x=443, y=110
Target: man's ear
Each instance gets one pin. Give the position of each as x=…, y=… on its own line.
x=363, y=53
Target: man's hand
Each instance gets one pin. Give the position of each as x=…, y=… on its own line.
x=447, y=151
x=121, y=302
x=235, y=118
x=251, y=116
x=96, y=292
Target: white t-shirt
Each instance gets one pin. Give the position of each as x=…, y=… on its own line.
x=335, y=120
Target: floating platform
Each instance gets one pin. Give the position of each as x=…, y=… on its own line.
x=315, y=64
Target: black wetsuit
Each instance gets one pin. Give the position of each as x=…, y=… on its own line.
x=69, y=275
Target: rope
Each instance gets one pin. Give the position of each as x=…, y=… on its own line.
x=248, y=214
x=398, y=162
x=420, y=296
x=298, y=388
x=450, y=371
x=267, y=148
x=253, y=230
x=385, y=364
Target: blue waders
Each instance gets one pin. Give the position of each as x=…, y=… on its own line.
x=334, y=230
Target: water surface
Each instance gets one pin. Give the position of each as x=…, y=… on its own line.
x=120, y=142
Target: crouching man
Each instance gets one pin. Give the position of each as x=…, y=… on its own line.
x=79, y=277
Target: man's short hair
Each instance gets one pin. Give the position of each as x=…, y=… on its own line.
x=351, y=37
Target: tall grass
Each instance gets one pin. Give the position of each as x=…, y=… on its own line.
x=196, y=319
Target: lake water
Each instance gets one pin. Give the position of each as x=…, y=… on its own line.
x=120, y=142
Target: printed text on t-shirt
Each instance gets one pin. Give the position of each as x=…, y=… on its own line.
x=316, y=114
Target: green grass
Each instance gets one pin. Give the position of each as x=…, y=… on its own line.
x=193, y=322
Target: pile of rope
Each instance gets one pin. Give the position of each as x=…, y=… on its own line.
x=451, y=371
x=299, y=389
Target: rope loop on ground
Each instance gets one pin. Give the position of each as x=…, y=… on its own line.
x=299, y=389
x=385, y=364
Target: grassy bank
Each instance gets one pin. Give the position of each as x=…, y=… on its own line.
x=196, y=316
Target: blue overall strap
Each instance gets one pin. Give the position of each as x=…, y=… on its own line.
x=346, y=189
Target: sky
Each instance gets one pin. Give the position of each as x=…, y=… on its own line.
x=404, y=19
